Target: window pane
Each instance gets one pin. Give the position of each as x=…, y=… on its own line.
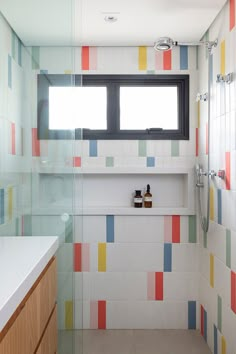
x=77, y=107
x=148, y=107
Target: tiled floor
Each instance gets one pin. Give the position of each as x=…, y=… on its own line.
x=132, y=342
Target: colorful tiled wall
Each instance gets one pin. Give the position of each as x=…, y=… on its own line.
x=218, y=247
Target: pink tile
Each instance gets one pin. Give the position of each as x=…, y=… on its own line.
x=93, y=315
x=168, y=229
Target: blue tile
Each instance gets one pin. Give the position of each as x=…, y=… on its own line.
x=110, y=233
x=215, y=340
x=219, y=203
x=93, y=148
x=183, y=57
x=9, y=71
x=167, y=257
x=2, y=203
x=192, y=315
x=150, y=161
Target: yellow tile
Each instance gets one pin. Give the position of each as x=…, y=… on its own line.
x=142, y=58
x=102, y=257
x=68, y=72
x=211, y=203
x=68, y=315
x=212, y=270
x=222, y=58
x=223, y=345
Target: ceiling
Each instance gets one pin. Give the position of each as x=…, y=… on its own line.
x=81, y=22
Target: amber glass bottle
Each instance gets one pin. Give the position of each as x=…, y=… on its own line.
x=148, y=198
x=138, y=199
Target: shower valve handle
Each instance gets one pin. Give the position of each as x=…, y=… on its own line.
x=212, y=174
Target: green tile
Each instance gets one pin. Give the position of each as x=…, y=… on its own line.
x=13, y=45
x=17, y=227
x=219, y=313
x=152, y=72
x=35, y=58
x=27, y=225
x=69, y=230
x=142, y=148
x=192, y=229
x=228, y=248
x=109, y=161
x=174, y=148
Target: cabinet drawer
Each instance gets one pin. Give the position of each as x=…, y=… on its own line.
x=48, y=344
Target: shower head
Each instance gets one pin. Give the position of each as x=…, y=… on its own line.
x=165, y=43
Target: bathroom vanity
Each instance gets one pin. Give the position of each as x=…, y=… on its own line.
x=28, y=312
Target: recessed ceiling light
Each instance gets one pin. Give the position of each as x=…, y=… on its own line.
x=110, y=18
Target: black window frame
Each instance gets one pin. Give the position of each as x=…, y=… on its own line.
x=113, y=84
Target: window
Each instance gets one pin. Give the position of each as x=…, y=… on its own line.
x=113, y=106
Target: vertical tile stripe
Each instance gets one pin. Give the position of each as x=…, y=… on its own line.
x=10, y=203
x=219, y=206
x=85, y=257
x=9, y=71
x=227, y=170
x=212, y=213
x=228, y=248
x=197, y=142
x=222, y=57
x=219, y=313
x=142, y=58
x=159, y=286
x=28, y=225
x=35, y=143
x=142, y=148
x=77, y=257
x=212, y=270
x=109, y=161
x=202, y=320
x=150, y=161
x=207, y=147
x=176, y=229
x=167, y=257
x=151, y=285
x=2, y=206
x=231, y=14
x=215, y=340
x=35, y=58
x=174, y=148
x=19, y=52
x=110, y=233
x=158, y=60
x=13, y=45
x=68, y=315
x=101, y=314
x=192, y=315
x=93, y=58
x=233, y=291
x=205, y=325
x=13, y=138
x=183, y=58
x=192, y=229
x=69, y=230
x=93, y=148
x=85, y=58
x=93, y=315
x=168, y=229
x=223, y=345
x=102, y=250
x=167, y=58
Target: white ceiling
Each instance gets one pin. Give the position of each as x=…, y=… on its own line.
x=81, y=22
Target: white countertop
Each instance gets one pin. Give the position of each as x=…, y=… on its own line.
x=22, y=259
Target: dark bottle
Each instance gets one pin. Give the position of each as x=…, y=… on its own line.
x=138, y=199
x=148, y=198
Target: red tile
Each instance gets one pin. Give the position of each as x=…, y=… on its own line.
x=85, y=58
x=101, y=314
x=231, y=14
x=176, y=229
x=77, y=257
x=77, y=161
x=13, y=138
x=227, y=170
x=233, y=291
x=35, y=143
x=159, y=286
x=167, y=58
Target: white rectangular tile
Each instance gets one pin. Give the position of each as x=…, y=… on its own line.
x=185, y=258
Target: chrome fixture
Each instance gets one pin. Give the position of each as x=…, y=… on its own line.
x=166, y=43
x=224, y=78
x=202, y=97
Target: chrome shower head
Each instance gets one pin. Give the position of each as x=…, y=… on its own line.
x=165, y=43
